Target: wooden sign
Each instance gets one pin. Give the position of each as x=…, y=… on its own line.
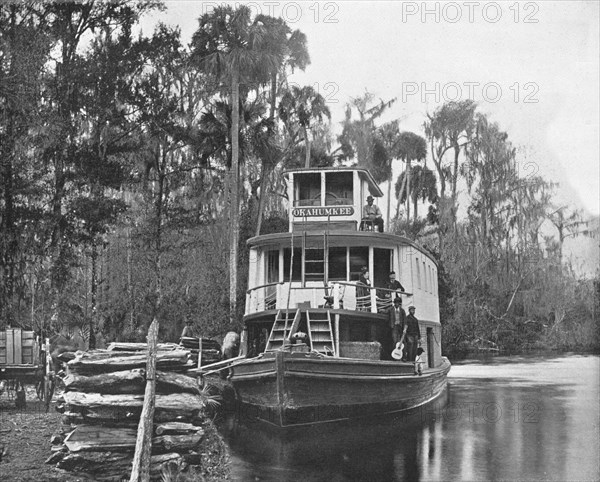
x=322, y=211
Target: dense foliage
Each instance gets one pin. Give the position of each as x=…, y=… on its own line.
x=133, y=169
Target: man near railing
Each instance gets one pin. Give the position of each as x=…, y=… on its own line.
x=363, y=294
x=394, y=284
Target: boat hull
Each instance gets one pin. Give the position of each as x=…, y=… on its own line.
x=289, y=389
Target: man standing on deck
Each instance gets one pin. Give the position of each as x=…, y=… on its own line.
x=413, y=336
x=393, y=284
x=397, y=319
x=373, y=213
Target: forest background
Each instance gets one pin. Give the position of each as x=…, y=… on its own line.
x=129, y=185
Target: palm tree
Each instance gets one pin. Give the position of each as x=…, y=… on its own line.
x=411, y=147
x=423, y=187
x=231, y=46
x=389, y=134
x=290, y=48
x=302, y=106
x=359, y=135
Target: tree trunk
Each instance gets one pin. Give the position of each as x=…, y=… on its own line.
x=307, y=143
x=400, y=194
x=407, y=191
x=160, y=199
x=130, y=293
x=415, y=203
x=130, y=381
x=454, y=183
x=94, y=290
x=104, y=362
x=234, y=203
x=389, y=199
x=119, y=408
x=264, y=171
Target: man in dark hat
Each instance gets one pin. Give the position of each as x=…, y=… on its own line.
x=372, y=213
x=397, y=319
x=413, y=335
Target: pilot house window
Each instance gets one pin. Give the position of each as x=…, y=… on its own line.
x=338, y=189
x=307, y=189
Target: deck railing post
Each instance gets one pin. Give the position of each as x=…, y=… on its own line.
x=336, y=296
x=373, y=293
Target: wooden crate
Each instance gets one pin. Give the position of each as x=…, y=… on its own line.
x=2, y=348
x=366, y=350
x=17, y=347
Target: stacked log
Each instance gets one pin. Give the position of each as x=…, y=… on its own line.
x=101, y=406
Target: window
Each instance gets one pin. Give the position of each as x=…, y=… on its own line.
x=359, y=257
x=337, y=264
x=418, y=274
x=307, y=189
x=338, y=188
x=296, y=264
x=425, y=286
x=273, y=266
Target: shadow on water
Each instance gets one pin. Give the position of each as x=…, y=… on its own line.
x=526, y=419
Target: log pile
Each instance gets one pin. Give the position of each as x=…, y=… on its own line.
x=101, y=406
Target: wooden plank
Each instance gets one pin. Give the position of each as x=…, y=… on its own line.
x=10, y=354
x=27, y=335
x=143, y=447
x=17, y=348
x=27, y=355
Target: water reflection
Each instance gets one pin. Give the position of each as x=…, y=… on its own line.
x=514, y=419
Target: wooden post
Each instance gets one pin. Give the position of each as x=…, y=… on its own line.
x=143, y=446
x=200, y=353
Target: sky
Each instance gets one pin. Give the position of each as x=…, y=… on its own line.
x=533, y=67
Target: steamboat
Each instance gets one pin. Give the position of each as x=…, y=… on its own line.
x=317, y=340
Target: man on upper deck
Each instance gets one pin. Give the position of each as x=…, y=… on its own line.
x=373, y=214
x=394, y=284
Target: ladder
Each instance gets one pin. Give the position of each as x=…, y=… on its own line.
x=314, y=259
x=284, y=320
x=320, y=332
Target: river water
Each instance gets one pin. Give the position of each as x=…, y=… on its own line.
x=503, y=418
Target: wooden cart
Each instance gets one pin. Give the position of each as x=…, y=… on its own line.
x=24, y=360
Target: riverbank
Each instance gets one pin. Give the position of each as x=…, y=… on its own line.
x=25, y=446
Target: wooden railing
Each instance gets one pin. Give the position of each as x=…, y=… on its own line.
x=264, y=297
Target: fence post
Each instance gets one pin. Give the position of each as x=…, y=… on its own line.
x=140, y=471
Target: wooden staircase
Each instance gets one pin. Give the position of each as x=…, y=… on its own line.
x=282, y=327
x=319, y=332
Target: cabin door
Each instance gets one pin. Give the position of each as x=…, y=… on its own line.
x=381, y=267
